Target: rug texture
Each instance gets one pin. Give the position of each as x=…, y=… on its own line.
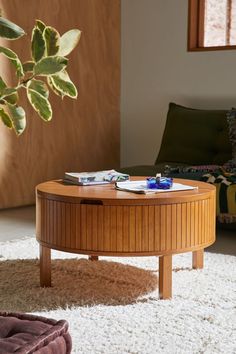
x=112, y=305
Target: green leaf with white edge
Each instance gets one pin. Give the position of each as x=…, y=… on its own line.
x=28, y=66
x=38, y=86
x=40, y=104
x=53, y=88
x=38, y=45
x=52, y=40
x=50, y=65
x=9, y=95
x=69, y=41
x=63, y=83
x=5, y=118
x=17, y=115
x=10, y=30
x=12, y=98
x=40, y=25
x=14, y=60
x=8, y=91
x=2, y=84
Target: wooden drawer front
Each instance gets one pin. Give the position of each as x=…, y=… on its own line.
x=125, y=229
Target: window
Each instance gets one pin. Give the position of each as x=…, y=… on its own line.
x=212, y=24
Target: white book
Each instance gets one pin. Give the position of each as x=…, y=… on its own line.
x=92, y=178
x=141, y=187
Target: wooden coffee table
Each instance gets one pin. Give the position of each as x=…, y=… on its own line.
x=99, y=220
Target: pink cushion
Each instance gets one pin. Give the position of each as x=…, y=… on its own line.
x=26, y=334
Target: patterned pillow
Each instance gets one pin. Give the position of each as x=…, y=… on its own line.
x=231, y=119
x=191, y=169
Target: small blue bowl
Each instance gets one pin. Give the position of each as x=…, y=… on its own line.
x=159, y=182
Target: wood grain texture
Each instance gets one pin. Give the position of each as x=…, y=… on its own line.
x=164, y=227
x=165, y=277
x=84, y=133
x=45, y=266
x=198, y=259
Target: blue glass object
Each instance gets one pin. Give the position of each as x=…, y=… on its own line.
x=159, y=182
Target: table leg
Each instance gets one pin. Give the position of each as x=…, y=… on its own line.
x=45, y=266
x=93, y=258
x=198, y=259
x=165, y=277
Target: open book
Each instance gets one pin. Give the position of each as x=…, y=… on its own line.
x=141, y=187
x=92, y=178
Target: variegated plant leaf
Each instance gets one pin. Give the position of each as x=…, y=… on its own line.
x=5, y=118
x=38, y=86
x=9, y=95
x=17, y=115
x=38, y=45
x=2, y=84
x=40, y=25
x=69, y=41
x=53, y=88
x=12, y=56
x=40, y=104
x=50, y=65
x=9, y=29
x=63, y=83
x=52, y=40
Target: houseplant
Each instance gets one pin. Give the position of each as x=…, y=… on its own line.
x=45, y=69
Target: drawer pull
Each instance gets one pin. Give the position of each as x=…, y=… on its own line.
x=91, y=201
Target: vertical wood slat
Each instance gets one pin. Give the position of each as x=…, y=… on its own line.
x=100, y=228
x=125, y=229
x=119, y=230
x=184, y=225
x=173, y=224
x=151, y=221
x=192, y=223
x=107, y=226
x=145, y=229
x=89, y=235
x=196, y=223
x=168, y=226
x=78, y=227
x=157, y=231
x=112, y=233
x=94, y=228
x=129, y=229
x=200, y=222
x=83, y=230
x=73, y=226
x=188, y=225
x=163, y=228
x=138, y=236
x=44, y=220
x=68, y=225
x=132, y=230
x=179, y=226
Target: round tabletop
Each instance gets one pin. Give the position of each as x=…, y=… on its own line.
x=108, y=195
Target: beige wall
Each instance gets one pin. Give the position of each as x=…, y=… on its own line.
x=157, y=69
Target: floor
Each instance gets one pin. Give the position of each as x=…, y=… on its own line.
x=20, y=222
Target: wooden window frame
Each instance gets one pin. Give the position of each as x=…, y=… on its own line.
x=196, y=28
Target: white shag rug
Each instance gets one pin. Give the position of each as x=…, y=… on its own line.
x=201, y=317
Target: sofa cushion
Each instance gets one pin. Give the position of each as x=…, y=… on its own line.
x=24, y=333
x=148, y=170
x=195, y=136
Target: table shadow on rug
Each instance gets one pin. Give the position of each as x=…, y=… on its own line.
x=75, y=282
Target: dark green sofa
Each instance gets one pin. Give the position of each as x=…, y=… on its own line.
x=192, y=137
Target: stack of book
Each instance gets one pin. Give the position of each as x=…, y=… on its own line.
x=92, y=178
